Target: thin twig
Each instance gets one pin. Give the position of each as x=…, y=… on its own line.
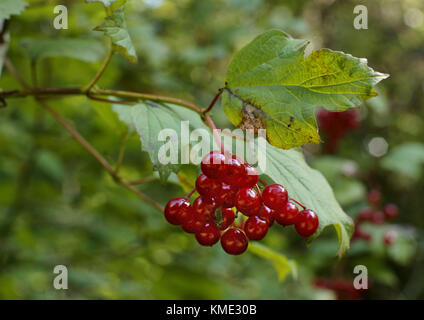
x=214, y=100
x=121, y=155
x=101, y=70
x=215, y=132
x=78, y=137
x=45, y=92
x=141, y=181
x=294, y=200
x=97, y=155
x=190, y=193
x=9, y=66
x=92, y=97
x=148, y=96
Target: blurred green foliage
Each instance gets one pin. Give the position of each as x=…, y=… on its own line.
x=58, y=206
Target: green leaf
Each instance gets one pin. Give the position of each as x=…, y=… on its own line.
x=124, y=115
x=89, y=50
x=271, y=85
x=187, y=177
x=307, y=185
x=115, y=28
x=406, y=159
x=282, y=265
x=11, y=7
x=150, y=118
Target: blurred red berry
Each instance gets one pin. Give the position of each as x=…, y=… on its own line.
x=391, y=211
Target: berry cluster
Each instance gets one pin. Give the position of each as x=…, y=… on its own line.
x=227, y=183
x=377, y=214
x=335, y=125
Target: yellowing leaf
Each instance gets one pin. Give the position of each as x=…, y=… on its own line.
x=271, y=85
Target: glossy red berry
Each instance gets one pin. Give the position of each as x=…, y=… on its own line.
x=267, y=214
x=214, y=165
x=228, y=217
x=275, y=196
x=208, y=235
x=288, y=215
x=234, y=241
x=256, y=228
x=250, y=177
x=208, y=187
x=193, y=225
x=227, y=195
x=204, y=208
x=235, y=171
x=178, y=211
x=307, y=223
x=391, y=211
x=248, y=201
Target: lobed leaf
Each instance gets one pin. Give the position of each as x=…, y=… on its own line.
x=271, y=85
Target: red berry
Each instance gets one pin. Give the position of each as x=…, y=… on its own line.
x=248, y=201
x=208, y=235
x=249, y=178
x=255, y=228
x=275, y=196
x=234, y=241
x=307, y=223
x=207, y=187
x=193, y=225
x=365, y=214
x=235, y=171
x=288, y=215
x=391, y=211
x=377, y=217
x=267, y=214
x=228, y=217
x=178, y=211
x=374, y=196
x=204, y=208
x=227, y=195
x=214, y=165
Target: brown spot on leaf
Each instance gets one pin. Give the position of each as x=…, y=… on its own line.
x=252, y=118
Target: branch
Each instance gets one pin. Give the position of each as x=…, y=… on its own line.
x=141, y=181
x=215, y=133
x=214, y=100
x=101, y=70
x=46, y=92
x=148, y=96
x=97, y=155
